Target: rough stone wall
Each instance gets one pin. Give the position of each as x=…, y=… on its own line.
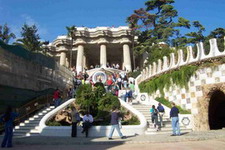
x=20, y=73
x=196, y=98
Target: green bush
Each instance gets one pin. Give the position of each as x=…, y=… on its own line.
x=167, y=103
x=133, y=121
x=53, y=123
x=134, y=74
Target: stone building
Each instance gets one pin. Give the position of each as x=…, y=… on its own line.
x=97, y=47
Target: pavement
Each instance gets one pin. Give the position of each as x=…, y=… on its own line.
x=210, y=140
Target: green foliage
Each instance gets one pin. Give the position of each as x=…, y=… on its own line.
x=178, y=77
x=107, y=102
x=86, y=97
x=99, y=103
x=134, y=74
x=133, y=121
x=167, y=103
x=156, y=52
x=53, y=123
x=30, y=38
x=5, y=34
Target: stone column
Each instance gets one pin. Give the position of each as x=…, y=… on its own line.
x=103, y=56
x=63, y=58
x=126, y=57
x=84, y=61
x=80, y=54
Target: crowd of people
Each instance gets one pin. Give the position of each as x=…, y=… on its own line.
x=114, y=83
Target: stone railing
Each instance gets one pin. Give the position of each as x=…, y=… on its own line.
x=95, y=131
x=171, y=63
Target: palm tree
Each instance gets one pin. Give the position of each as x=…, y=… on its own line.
x=71, y=33
x=5, y=34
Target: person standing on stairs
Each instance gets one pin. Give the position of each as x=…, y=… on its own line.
x=161, y=111
x=154, y=115
x=175, y=120
x=8, y=117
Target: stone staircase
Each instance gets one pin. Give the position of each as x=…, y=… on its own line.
x=30, y=127
x=166, y=129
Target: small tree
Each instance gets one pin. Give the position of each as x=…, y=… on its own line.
x=5, y=34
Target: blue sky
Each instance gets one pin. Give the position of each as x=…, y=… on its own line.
x=52, y=16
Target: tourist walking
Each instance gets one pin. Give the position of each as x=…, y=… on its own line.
x=7, y=118
x=115, y=124
x=87, y=123
x=161, y=112
x=154, y=115
x=75, y=119
x=175, y=120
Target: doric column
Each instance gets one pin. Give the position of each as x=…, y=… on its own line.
x=80, y=54
x=126, y=57
x=63, y=58
x=103, y=56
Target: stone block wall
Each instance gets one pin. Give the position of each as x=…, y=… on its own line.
x=18, y=72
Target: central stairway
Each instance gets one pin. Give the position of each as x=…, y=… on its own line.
x=166, y=129
x=30, y=127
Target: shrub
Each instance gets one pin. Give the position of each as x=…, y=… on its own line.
x=167, y=103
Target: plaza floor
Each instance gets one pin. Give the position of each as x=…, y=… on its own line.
x=211, y=140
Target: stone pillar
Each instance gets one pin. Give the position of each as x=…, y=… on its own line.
x=103, y=56
x=126, y=57
x=63, y=58
x=84, y=61
x=80, y=54
x=67, y=63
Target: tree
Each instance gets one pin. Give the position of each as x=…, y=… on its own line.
x=159, y=23
x=30, y=38
x=219, y=34
x=195, y=37
x=71, y=33
x=5, y=34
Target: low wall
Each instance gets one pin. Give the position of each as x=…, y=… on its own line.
x=95, y=131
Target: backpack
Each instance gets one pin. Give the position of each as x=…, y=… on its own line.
x=155, y=112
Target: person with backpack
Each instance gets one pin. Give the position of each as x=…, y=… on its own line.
x=161, y=112
x=75, y=120
x=154, y=116
x=8, y=117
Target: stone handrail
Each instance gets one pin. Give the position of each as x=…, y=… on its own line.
x=95, y=131
x=159, y=67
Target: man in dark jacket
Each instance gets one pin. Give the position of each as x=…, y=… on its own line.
x=115, y=124
x=175, y=120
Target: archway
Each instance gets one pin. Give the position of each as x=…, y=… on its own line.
x=216, y=110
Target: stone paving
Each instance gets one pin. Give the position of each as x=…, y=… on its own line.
x=194, y=140
x=192, y=136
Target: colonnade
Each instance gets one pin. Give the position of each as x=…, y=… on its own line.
x=81, y=58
